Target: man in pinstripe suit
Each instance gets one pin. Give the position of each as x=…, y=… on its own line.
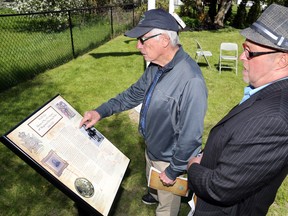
x=245, y=159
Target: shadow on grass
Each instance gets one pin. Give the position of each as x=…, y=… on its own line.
x=16, y=104
x=115, y=54
x=203, y=64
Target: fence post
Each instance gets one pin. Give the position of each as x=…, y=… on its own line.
x=71, y=34
x=111, y=16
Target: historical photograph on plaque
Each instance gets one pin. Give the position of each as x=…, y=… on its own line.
x=81, y=162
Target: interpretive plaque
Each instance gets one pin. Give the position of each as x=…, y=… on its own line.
x=81, y=162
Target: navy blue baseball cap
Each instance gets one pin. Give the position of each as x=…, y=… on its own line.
x=154, y=18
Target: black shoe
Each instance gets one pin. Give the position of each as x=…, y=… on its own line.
x=149, y=199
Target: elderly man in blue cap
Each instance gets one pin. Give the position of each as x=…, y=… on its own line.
x=174, y=97
x=245, y=159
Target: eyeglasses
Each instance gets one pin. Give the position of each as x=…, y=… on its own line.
x=142, y=39
x=249, y=55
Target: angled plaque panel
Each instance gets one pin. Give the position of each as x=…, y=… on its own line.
x=82, y=163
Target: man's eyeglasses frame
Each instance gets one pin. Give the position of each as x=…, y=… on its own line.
x=249, y=55
x=143, y=39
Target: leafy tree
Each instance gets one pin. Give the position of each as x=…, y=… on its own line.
x=229, y=16
x=96, y=3
x=188, y=8
x=199, y=6
x=26, y=6
x=212, y=10
x=49, y=21
x=280, y=2
x=164, y=4
x=220, y=17
x=240, y=17
x=253, y=13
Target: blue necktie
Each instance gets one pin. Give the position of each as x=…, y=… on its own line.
x=246, y=93
x=147, y=101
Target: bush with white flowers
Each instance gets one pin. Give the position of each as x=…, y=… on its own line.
x=48, y=21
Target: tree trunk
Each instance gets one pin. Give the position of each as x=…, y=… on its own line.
x=219, y=18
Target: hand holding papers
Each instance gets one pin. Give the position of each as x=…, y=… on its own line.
x=179, y=188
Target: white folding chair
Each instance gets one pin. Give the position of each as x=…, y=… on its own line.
x=228, y=56
x=200, y=52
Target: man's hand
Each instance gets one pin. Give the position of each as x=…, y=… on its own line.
x=196, y=159
x=165, y=180
x=90, y=118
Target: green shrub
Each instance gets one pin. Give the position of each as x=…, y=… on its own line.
x=191, y=23
x=240, y=17
x=187, y=9
x=253, y=13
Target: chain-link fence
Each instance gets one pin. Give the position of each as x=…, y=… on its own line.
x=32, y=43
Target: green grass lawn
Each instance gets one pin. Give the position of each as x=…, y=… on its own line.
x=88, y=81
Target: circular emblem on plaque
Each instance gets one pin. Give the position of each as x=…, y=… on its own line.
x=84, y=187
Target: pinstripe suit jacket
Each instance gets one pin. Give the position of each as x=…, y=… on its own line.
x=245, y=158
